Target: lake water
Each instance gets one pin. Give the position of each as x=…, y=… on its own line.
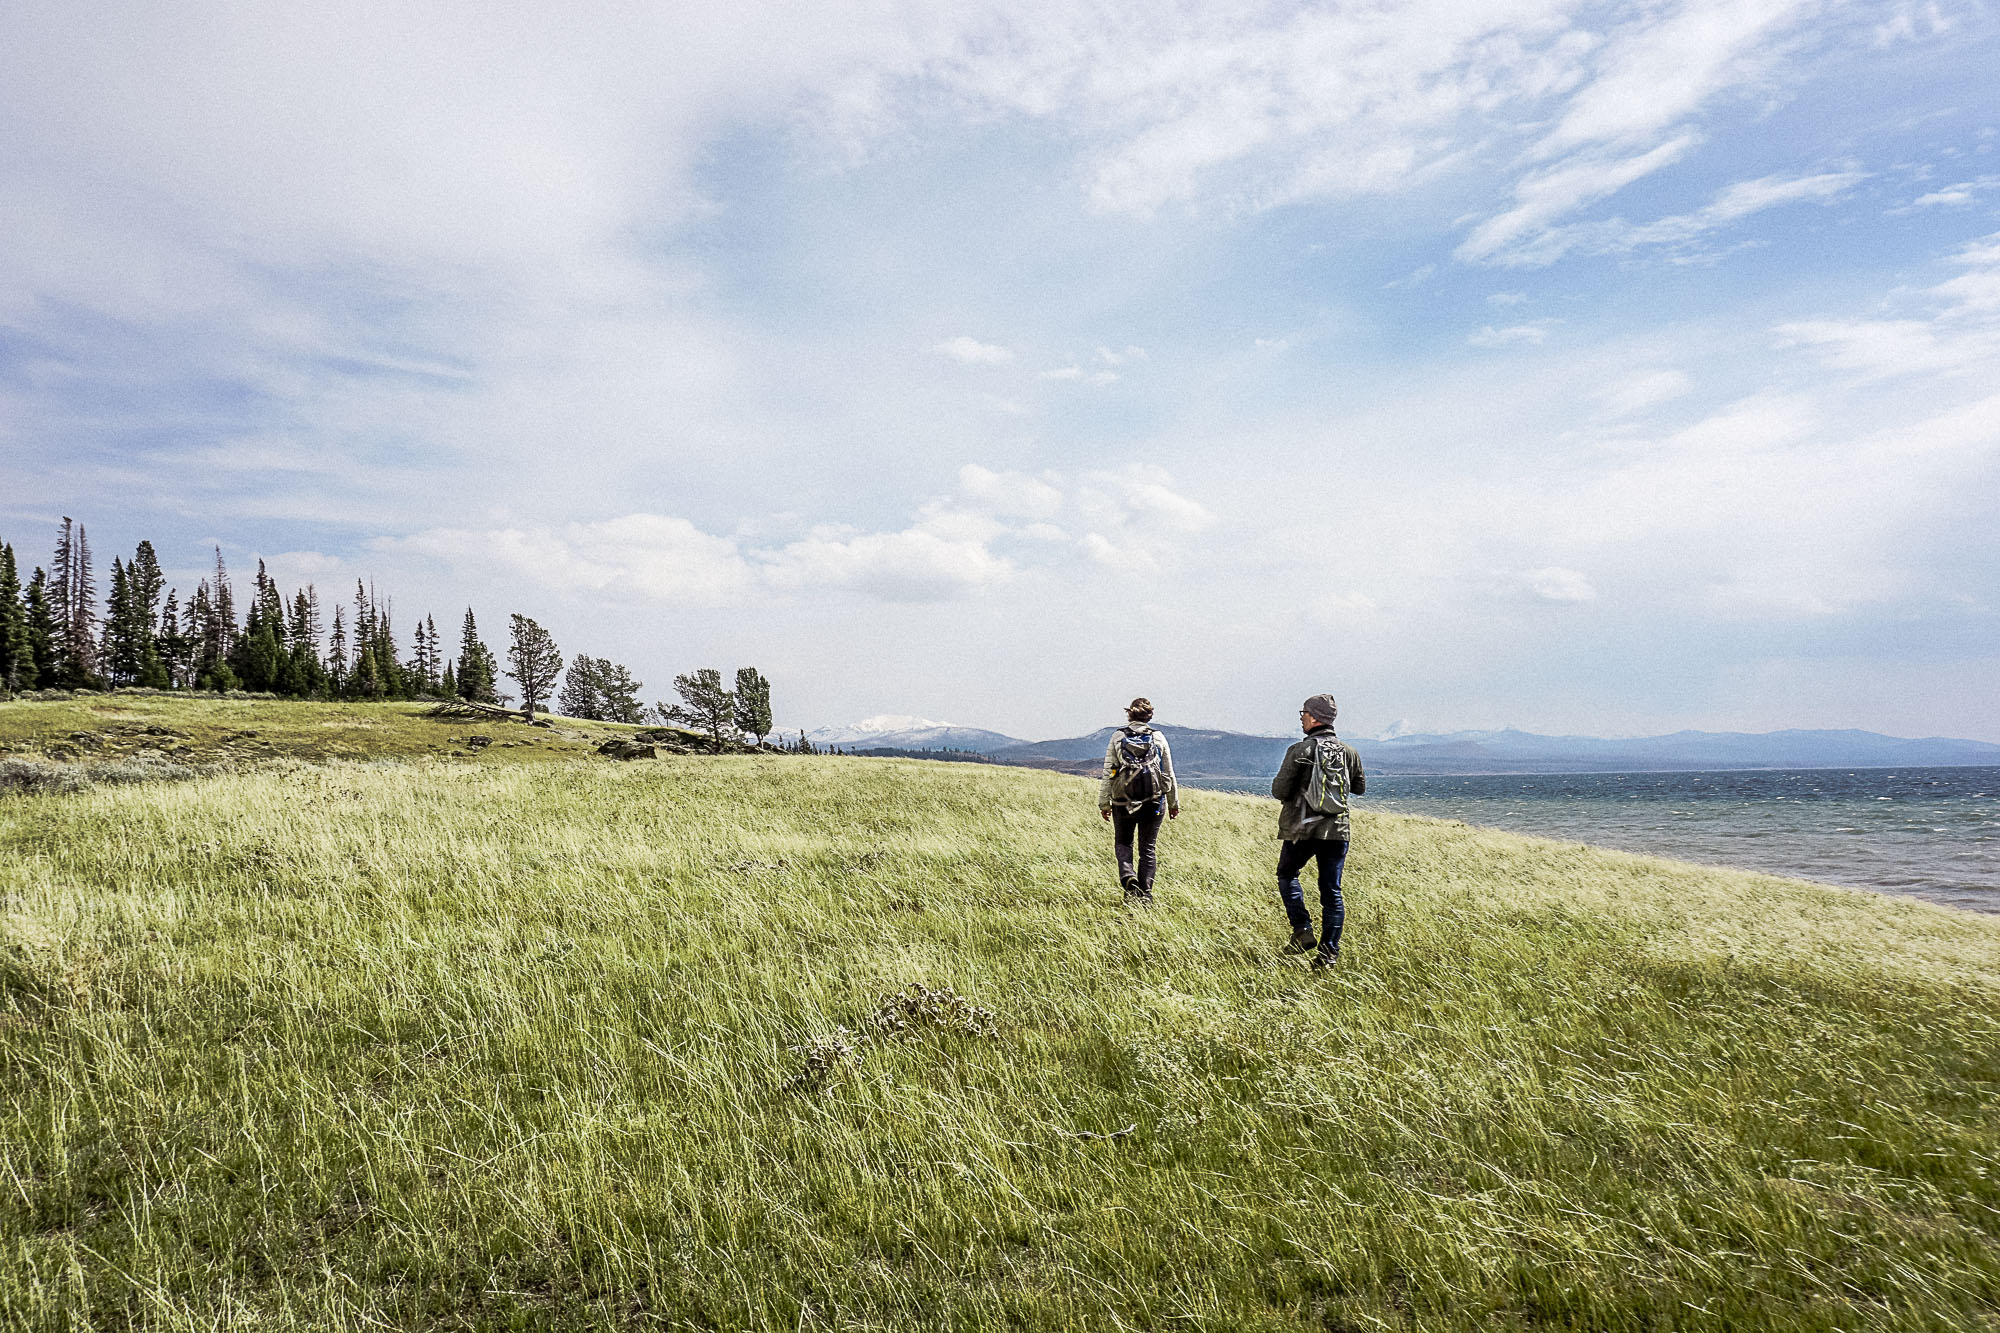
x=1932, y=833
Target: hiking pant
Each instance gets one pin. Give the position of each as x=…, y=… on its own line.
x=1144, y=827
x=1292, y=858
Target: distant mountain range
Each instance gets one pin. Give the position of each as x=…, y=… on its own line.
x=910, y=733
x=1209, y=753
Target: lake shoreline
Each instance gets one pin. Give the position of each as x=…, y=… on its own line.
x=1931, y=832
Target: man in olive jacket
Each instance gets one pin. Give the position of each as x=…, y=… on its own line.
x=1310, y=833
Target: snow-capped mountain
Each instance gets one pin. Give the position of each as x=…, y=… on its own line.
x=895, y=732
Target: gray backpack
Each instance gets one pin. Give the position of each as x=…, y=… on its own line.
x=1326, y=786
x=1136, y=773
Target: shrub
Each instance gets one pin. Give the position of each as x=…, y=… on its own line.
x=143, y=768
x=40, y=778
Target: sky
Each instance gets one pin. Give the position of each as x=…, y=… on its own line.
x=1589, y=368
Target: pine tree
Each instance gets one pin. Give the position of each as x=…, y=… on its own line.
x=258, y=656
x=580, y=695
x=705, y=705
x=17, y=658
x=41, y=631
x=176, y=650
x=211, y=632
x=211, y=626
x=118, y=651
x=302, y=619
x=618, y=693
x=303, y=676
x=602, y=690
x=72, y=594
x=129, y=655
x=223, y=600
x=533, y=661
x=448, y=684
x=753, y=703
x=422, y=669
x=56, y=589
x=413, y=670
x=143, y=569
x=144, y=582
x=478, y=671
x=336, y=655
x=386, y=665
x=367, y=679
x=196, y=620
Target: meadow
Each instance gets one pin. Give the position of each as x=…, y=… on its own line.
x=424, y=1039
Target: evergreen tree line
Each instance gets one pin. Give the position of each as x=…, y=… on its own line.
x=54, y=636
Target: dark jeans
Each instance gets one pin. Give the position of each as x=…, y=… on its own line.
x=1292, y=858
x=1145, y=824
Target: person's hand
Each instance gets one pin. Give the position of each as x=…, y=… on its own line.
x=1173, y=814
x=1106, y=814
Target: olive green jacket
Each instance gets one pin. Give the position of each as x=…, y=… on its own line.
x=1295, y=822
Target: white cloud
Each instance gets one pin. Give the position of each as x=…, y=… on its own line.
x=1009, y=494
x=910, y=566
x=1129, y=558
x=656, y=557
x=1741, y=200
x=1556, y=584
x=973, y=352
x=1259, y=106
x=1652, y=75
x=1515, y=335
x=1545, y=196
x=956, y=546
x=1080, y=375
x=1139, y=497
x=1912, y=21
x=1636, y=393
x=1952, y=195
x=1959, y=332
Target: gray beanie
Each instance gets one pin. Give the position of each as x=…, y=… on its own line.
x=1321, y=708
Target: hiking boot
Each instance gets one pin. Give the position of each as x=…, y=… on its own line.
x=1326, y=957
x=1303, y=941
x=1142, y=897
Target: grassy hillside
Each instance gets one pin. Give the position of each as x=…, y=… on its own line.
x=450, y=1044
x=92, y=730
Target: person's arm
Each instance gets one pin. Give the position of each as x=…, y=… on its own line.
x=1290, y=774
x=1110, y=767
x=1357, y=781
x=1173, y=792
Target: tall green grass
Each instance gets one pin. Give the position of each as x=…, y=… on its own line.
x=589, y=1046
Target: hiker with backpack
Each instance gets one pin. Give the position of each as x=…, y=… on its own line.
x=1138, y=791
x=1314, y=780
